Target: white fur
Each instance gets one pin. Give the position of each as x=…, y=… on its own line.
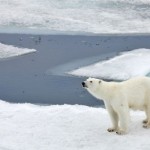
x=119, y=97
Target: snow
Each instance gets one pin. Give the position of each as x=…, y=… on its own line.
x=66, y=127
x=79, y=16
x=7, y=51
x=126, y=65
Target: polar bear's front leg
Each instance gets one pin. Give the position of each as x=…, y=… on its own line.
x=123, y=113
x=114, y=118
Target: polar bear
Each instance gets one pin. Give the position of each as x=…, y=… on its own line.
x=118, y=97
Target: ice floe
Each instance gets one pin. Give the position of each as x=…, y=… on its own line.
x=7, y=51
x=125, y=65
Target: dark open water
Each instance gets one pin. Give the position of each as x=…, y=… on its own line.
x=31, y=78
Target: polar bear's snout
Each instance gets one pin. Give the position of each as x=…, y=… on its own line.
x=83, y=84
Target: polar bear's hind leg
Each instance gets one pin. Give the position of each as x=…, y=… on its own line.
x=147, y=120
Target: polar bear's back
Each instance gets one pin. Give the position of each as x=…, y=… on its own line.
x=137, y=82
x=137, y=91
x=136, y=86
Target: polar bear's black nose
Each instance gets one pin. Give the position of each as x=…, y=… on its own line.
x=83, y=84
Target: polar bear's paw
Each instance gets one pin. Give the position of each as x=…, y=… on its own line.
x=111, y=129
x=120, y=132
x=145, y=121
x=146, y=126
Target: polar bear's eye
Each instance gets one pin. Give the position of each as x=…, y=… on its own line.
x=90, y=81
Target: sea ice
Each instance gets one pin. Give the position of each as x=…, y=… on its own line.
x=75, y=16
x=7, y=51
x=124, y=66
x=66, y=127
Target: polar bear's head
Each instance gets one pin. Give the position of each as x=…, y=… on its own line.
x=91, y=84
x=94, y=87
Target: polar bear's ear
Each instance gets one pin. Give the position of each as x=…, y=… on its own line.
x=100, y=81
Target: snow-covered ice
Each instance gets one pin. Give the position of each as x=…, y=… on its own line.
x=79, y=16
x=126, y=65
x=7, y=51
x=66, y=127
